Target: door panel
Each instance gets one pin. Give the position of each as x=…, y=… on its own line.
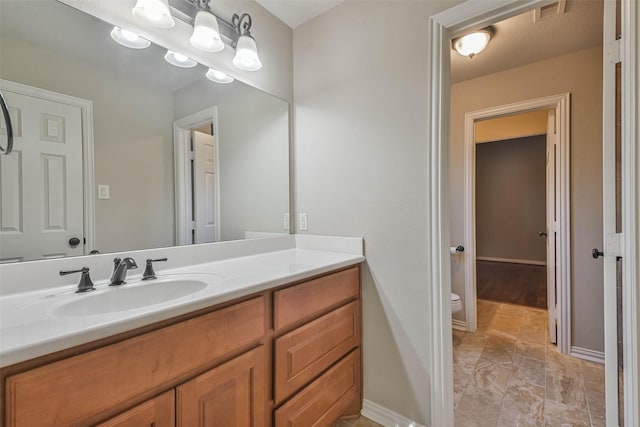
x=204, y=176
x=41, y=187
x=552, y=227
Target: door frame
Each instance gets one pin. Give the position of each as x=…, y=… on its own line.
x=182, y=171
x=88, y=177
x=561, y=104
x=442, y=28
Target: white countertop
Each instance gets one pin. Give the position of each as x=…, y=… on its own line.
x=31, y=324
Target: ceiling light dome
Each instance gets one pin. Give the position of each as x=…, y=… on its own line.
x=218, y=76
x=473, y=43
x=206, y=34
x=179, y=60
x=128, y=39
x=154, y=12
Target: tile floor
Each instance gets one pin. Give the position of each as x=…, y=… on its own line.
x=357, y=422
x=506, y=374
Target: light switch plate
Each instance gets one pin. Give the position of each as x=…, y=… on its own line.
x=103, y=192
x=285, y=221
x=304, y=226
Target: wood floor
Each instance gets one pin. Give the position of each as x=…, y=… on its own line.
x=523, y=284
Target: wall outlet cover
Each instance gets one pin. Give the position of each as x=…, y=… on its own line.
x=103, y=192
x=304, y=226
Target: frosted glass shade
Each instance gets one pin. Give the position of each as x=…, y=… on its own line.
x=218, y=76
x=246, y=57
x=472, y=43
x=179, y=60
x=154, y=12
x=128, y=39
x=206, y=34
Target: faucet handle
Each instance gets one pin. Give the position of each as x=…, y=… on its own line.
x=85, y=284
x=149, y=274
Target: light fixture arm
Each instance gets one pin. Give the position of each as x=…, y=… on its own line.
x=230, y=32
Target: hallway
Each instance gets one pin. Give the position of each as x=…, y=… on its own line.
x=506, y=375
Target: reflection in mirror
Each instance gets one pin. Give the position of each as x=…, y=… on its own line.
x=116, y=149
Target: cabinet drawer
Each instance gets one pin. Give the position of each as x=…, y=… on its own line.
x=336, y=393
x=305, y=352
x=232, y=394
x=157, y=412
x=77, y=390
x=306, y=300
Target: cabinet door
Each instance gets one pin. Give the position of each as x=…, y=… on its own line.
x=157, y=412
x=232, y=394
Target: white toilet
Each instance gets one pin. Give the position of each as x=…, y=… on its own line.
x=456, y=303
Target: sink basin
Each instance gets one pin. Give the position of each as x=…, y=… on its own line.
x=129, y=296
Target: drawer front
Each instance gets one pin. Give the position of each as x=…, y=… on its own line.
x=75, y=391
x=336, y=393
x=305, y=352
x=157, y=412
x=232, y=394
x=306, y=300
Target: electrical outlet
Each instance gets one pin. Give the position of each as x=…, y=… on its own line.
x=103, y=192
x=285, y=221
x=304, y=226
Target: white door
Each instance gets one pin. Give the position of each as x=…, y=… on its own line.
x=41, y=185
x=611, y=227
x=552, y=224
x=204, y=195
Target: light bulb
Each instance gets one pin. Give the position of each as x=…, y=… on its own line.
x=128, y=39
x=154, y=12
x=206, y=34
x=179, y=60
x=246, y=57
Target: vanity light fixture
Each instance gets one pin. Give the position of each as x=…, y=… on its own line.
x=473, y=43
x=210, y=31
x=128, y=39
x=154, y=12
x=179, y=60
x=218, y=76
x=246, y=57
x=206, y=33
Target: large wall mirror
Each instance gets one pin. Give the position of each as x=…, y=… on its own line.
x=116, y=149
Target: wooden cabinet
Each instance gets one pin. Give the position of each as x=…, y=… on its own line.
x=157, y=412
x=232, y=394
x=289, y=356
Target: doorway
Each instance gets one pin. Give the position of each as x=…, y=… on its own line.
x=196, y=156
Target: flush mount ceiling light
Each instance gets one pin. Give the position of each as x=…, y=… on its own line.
x=154, y=12
x=210, y=31
x=206, y=33
x=179, y=60
x=218, y=76
x=128, y=39
x=473, y=43
x=246, y=57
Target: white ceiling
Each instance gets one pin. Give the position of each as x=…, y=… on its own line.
x=520, y=40
x=297, y=12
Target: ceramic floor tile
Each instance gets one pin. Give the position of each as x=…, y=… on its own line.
x=481, y=404
x=530, y=350
x=523, y=405
x=561, y=415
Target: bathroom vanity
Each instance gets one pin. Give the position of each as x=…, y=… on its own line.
x=286, y=352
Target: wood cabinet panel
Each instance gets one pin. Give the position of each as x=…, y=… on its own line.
x=305, y=352
x=306, y=300
x=74, y=391
x=232, y=394
x=336, y=393
x=157, y=412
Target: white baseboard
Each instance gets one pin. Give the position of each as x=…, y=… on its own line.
x=459, y=325
x=586, y=354
x=385, y=416
x=509, y=260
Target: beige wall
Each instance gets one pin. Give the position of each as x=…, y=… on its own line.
x=511, y=199
x=360, y=110
x=516, y=126
x=133, y=142
x=580, y=74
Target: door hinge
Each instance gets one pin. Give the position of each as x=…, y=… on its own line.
x=613, y=244
x=613, y=52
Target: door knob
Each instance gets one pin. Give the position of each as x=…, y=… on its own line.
x=74, y=241
x=542, y=233
x=596, y=253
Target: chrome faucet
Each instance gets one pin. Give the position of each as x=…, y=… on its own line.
x=120, y=267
